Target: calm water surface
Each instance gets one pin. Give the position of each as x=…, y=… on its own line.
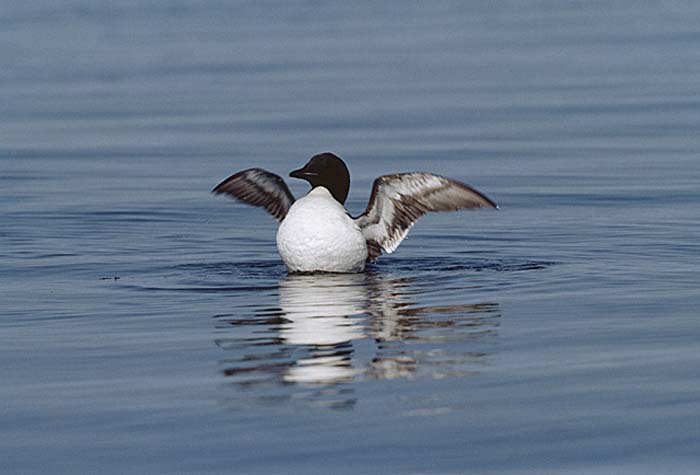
x=149, y=327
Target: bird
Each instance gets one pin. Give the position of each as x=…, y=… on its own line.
x=317, y=234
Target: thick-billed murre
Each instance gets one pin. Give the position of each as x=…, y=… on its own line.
x=317, y=233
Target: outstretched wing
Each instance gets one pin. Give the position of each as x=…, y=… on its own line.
x=397, y=201
x=259, y=187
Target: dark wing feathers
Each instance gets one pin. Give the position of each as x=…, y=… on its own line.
x=259, y=187
x=397, y=201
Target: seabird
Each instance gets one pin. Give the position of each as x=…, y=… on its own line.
x=317, y=234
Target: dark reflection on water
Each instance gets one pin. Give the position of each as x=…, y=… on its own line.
x=333, y=330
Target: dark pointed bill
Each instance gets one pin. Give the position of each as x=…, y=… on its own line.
x=397, y=201
x=301, y=173
x=259, y=187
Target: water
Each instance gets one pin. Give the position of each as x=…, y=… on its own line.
x=150, y=327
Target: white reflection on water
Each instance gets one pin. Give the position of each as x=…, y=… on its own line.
x=321, y=314
x=333, y=330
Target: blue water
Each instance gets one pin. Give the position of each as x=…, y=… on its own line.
x=147, y=326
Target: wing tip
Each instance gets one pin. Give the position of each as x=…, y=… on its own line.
x=490, y=203
x=222, y=187
x=218, y=189
x=486, y=201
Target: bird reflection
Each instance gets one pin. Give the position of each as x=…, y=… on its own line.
x=332, y=330
x=322, y=313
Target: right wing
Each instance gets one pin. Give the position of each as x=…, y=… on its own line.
x=397, y=201
x=259, y=187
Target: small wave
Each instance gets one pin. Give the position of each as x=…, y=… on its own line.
x=265, y=275
x=204, y=290
x=451, y=264
x=212, y=277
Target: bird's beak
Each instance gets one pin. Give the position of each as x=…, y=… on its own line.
x=297, y=173
x=302, y=174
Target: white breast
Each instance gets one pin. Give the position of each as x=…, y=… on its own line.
x=318, y=235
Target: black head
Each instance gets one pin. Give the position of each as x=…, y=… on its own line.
x=329, y=171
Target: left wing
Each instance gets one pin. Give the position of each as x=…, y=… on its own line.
x=397, y=201
x=259, y=187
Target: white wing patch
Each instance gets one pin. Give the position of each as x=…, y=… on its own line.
x=397, y=201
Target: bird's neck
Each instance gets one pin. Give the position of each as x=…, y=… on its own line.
x=339, y=191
